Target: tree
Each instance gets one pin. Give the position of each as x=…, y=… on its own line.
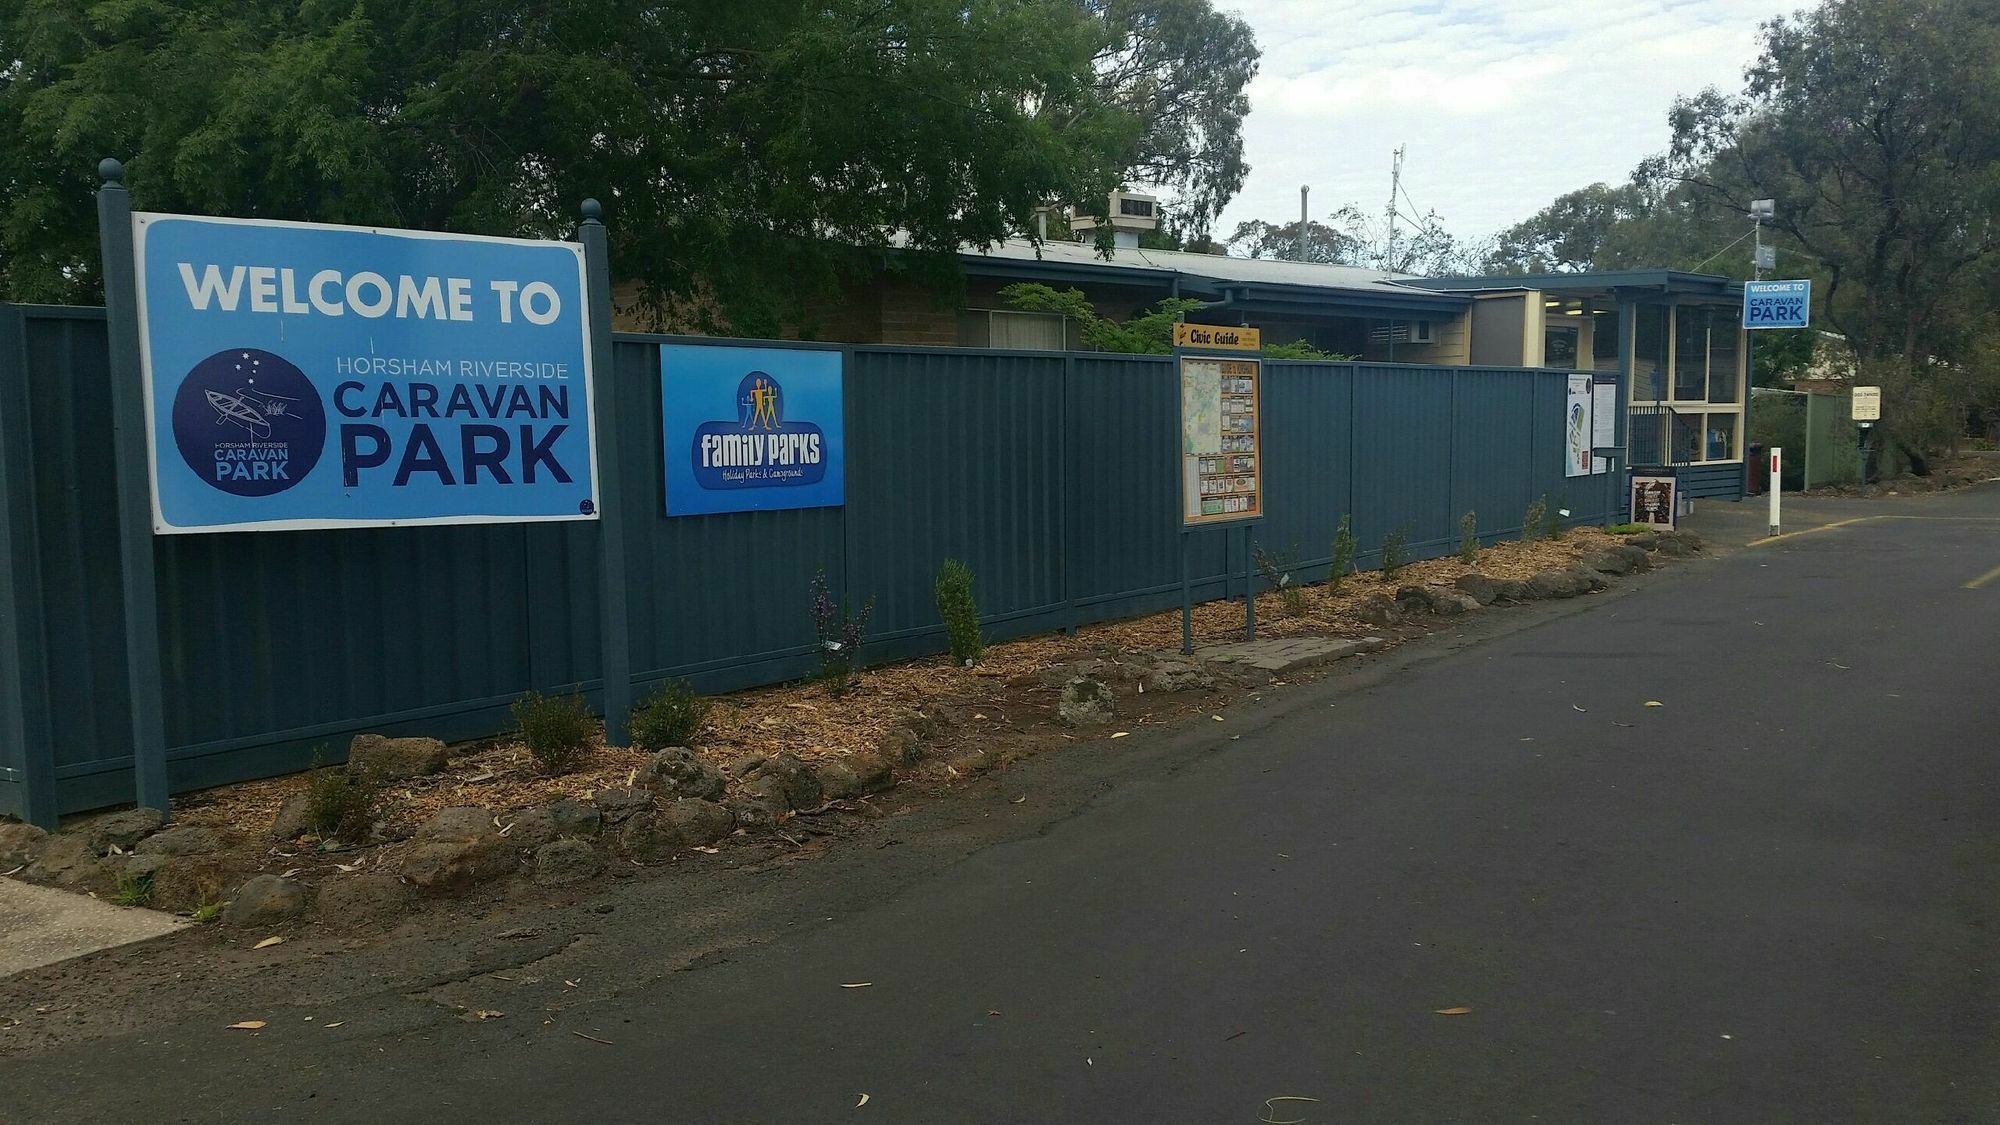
x=1149, y=333
x=1875, y=125
x=751, y=155
x=1336, y=240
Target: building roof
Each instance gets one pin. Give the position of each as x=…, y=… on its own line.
x=1254, y=284
x=1670, y=282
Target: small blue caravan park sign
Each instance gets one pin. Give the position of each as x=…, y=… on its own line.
x=1777, y=304
x=751, y=429
x=304, y=376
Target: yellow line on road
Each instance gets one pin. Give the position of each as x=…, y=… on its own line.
x=1811, y=530
x=1984, y=579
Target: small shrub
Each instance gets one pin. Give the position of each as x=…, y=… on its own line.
x=1395, y=551
x=1343, y=554
x=839, y=632
x=341, y=803
x=670, y=716
x=556, y=730
x=1552, y=522
x=1278, y=572
x=1468, y=538
x=1627, y=528
x=205, y=913
x=1531, y=523
x=134, y=890
x=960, y=613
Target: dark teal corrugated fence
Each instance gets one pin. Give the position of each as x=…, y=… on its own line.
x=1053, y=476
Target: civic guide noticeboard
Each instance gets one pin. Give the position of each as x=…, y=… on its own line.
x=1222, y=462
x=305, y=376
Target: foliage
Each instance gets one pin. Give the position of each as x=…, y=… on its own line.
x=556, y=729
x=752, y=155
x=1535, y=520
x=1149, y=333
x=1336, y=241
x=342, y=803
x=1349, y=237
x=959, y=611
x=1343, y=553
x=1468, y=538
x=1299, y=349
x=1395, y=551
x=839, y=633
x=205, y=913
x=671, y=716
x=134, y=890
x=1628, y=528
x=1554, y=517
x=1277, y=570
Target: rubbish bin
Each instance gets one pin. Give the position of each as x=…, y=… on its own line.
x=1760, y=469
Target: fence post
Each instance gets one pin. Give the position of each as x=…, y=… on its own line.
x=616, y=617
x=132, y=449
x=22, y=716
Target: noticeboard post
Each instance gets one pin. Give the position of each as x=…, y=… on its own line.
x=1221, y=445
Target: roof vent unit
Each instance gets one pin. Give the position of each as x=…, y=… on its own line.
x=1132, y=214
x=1403, y=332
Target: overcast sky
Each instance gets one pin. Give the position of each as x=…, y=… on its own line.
x=1503, y=104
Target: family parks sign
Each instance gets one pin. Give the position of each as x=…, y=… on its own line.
x=304, y=376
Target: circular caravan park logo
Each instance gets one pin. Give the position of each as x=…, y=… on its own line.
x=249, y=423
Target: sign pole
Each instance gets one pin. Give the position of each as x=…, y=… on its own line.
x=1777, y=485
x=1187, y=601
x=135, y=491
x=1249, y=588
x=1864, y=458
x=616, y=625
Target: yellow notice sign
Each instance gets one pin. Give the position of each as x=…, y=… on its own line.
x=1218, y=336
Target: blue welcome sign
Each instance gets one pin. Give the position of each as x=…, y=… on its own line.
x=751, y=429
x=305, y=376
x=1777, y=304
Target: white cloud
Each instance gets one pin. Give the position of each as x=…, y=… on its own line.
x=1503, y=104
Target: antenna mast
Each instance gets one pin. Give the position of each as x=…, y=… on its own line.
x=1395, y=189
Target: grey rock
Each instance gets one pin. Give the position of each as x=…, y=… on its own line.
x=619, y=805
x=120, y=829
x=444, y=864
x=265, y=901
x=936, y=720
x=1451, y=603
x=1414, y=599
x=679, y=772
x=1480, y=588
x=1635, y=557
x=1589, y=580
x=1644, y=540
x=1085, y=702
x=1556, y=584
x=1379, y=610
x=531, y=828
x=1171, y=676
x=395, y=759
x=1607, y=562
x=460, y=822
x=294, y=818
x=575, y=818
x=185, y=839
x=364, y=900
x=1676, y=546
x=65, y=860
x=683, y=824
x=901, y=746
x=562, y=863
x=144, y=866
x=853, y=776
x=752, y=814
x=746, y=765
x=20, y=844
x=788, y=782
x=1512, y=590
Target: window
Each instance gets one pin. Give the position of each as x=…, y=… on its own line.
x=1721, y=437
x=1143, y=208
x=1722, y=341
x=1649, y=355
x=1687, y=438
x=1559, y=344
x=1690, y=355
x=1604, y=341
x=1015, y=331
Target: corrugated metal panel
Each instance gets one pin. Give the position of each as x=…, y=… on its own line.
x=1054, y=477
x=1712, y=482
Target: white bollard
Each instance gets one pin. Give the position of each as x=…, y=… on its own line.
x=1776, y=486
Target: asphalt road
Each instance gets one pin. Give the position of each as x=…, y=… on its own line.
x=1770, y=899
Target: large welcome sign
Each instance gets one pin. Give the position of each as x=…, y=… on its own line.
x=304, y=376
x=751, y=429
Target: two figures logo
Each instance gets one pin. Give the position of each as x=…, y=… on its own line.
x=248, y=422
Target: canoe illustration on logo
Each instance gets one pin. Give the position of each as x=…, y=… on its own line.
x=248, y=422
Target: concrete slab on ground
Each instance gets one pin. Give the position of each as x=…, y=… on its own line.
x=39, y=926
x=1285, y=654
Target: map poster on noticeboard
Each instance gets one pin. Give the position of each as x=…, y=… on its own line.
x=1222, y=453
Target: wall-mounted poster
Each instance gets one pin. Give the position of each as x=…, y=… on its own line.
x=1576, y=427
x=751, y=429
x=1222, y=463
x=1653, y=501
x=306, y=376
